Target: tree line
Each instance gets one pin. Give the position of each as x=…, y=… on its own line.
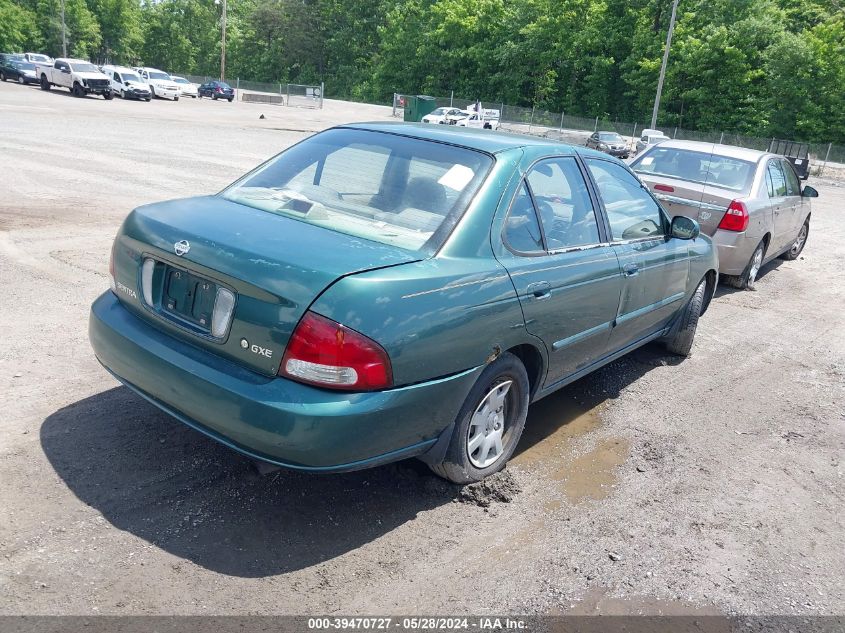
x=756, y=67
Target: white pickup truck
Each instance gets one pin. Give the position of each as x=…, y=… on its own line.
x=487, y=119
x=78, y=76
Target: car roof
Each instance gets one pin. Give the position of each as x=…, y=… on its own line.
x=728, y=151
x=488, y=141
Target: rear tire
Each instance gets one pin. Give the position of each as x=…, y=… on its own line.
x=2, y=77
x=214, y=97
x=21, y=80
x=799, y=243
x=679, y=341
x=748, y=278
x=489, y=424
x=176, y=98
x=231, y=99
x=45, y=85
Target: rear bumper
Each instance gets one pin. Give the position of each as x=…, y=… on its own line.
x=272, y=419
x=734, y=250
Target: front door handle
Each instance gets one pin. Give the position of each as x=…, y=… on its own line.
x=540, y=290
x=630, y=270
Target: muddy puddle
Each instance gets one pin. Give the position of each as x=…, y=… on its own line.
x=553, y=426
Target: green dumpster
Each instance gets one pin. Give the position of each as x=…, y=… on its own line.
x=416, y=107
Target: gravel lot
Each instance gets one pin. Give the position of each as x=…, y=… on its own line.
x=710, y=486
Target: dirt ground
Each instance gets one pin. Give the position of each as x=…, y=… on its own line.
x=714, y=485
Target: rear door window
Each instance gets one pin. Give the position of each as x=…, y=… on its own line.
x=522, y=229
x=793, y=187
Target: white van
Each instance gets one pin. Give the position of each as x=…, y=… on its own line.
x=160, y=83
x=126, y=83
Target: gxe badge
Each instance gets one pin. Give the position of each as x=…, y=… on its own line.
x=181, y=247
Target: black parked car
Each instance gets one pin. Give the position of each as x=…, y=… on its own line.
x=21, y=71
x=609, y=143
x=216, y=90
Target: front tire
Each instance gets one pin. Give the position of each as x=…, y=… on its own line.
x=799, y=243
x=152, y=92
x=77, y=90
x=679, y=341
x=489, y=424
x=231, y=99
x=748, y=278
x=108, y=96
x=2, y=77
x=176, y=98
x=21, y=80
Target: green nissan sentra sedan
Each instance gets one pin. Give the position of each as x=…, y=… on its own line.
x=382, y=291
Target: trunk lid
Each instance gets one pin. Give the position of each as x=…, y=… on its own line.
x=275, y=266
x=704, y=203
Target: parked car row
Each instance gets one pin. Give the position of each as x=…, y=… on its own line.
x=487, y=119
x=465, y=277
x=83, y=78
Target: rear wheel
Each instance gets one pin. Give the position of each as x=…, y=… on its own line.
x=748, y=278
x=799, y=243
x=176, y=98
x=230, y=99
x=2, y=76
x=45, y=85
x=489, y=424
x=680, y=338
x=21, y=80
x=214, y=97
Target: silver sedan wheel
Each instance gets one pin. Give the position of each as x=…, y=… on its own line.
x=487, y=427
x=756, y=262
x=798, y=244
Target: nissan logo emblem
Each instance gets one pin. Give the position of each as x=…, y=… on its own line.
x=181, y=247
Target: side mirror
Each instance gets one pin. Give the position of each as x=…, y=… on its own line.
x=685, y=228
x=809, y=192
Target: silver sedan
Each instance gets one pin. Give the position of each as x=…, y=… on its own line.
x=751, y=203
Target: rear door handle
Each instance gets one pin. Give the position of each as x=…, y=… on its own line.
x=540, y=290
x=630, y=270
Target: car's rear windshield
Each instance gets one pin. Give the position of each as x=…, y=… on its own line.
x=222, y=85
x=180, y=80
x=26, y=66
x=609, y=136
x=698, y=167
x=388, y=188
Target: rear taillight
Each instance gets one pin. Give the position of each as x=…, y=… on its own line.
x=112, y=280
x=666, y=188
x=325, y=353
x=219, y=89
x=735, y=218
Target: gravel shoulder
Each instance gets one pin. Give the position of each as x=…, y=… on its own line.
x=714, y=485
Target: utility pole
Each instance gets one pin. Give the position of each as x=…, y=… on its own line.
x=223, y=46
x=64, y=34
x=663, y=65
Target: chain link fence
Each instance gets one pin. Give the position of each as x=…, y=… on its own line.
x=576, y=129
x=296, y=95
